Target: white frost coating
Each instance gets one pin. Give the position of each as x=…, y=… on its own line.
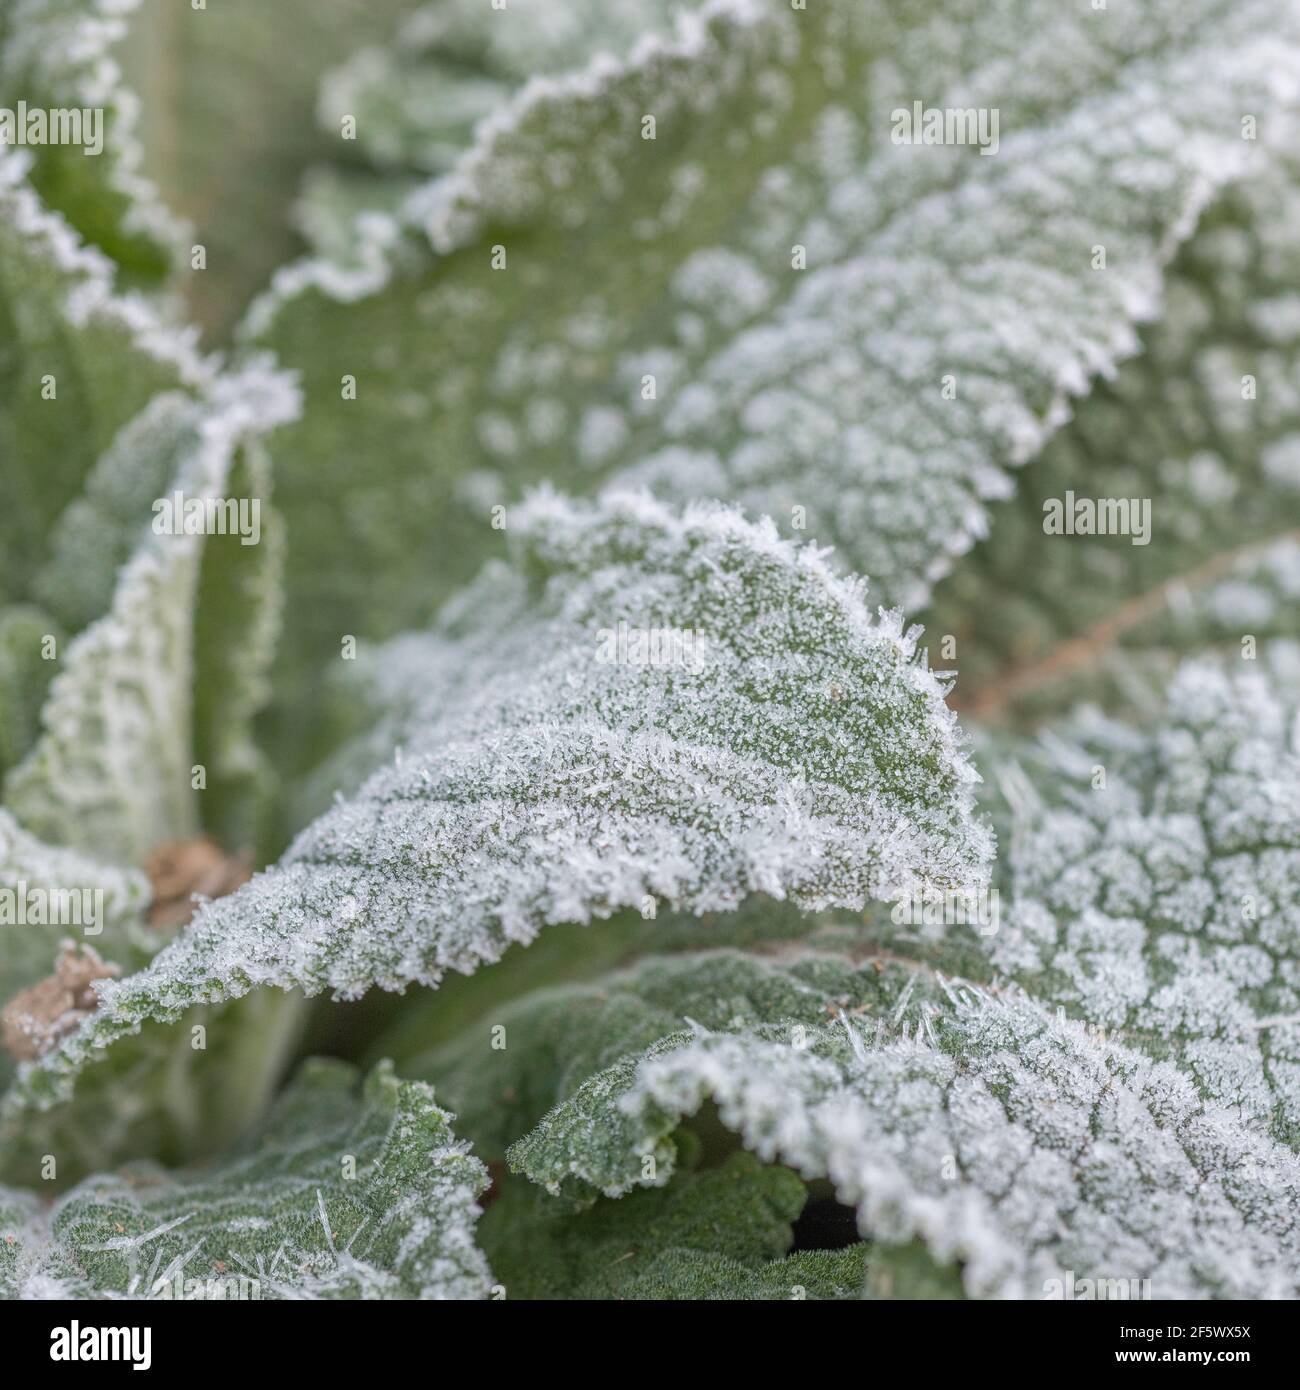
x=450, y=64
x=489, y=181
x=1019, y=1146
x=368, y=271
x=949, y=310
x=65, y=48
x=1135, y=1119
x=1165, y=908
x=809, y=756
x=110, y=772
x=280, y=1214
x=91, y=293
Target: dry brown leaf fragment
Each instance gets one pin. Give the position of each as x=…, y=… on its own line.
x=178, y=869
x=36, y=1019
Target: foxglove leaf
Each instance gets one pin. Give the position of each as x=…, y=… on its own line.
x=947, y=311
x=1156, y=889
x=62, y=56
x=713, y=1234
x=557, y=1038
x=418, y=100
x=236, y=628
x=28, y=636
x=791, y=746
x=340, y=1195
x=1198, y=442
x=78, y=362
x=429, y=1028
x=113, y=771
x=174, y=1094
x=1003, y=1141
x=107, y=411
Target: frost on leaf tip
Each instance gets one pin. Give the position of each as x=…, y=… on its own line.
x=792, y=745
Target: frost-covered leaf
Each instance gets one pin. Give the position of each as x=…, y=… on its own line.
x=418, y=100
x=717, y=1233
x=105, y=628
x=78, y=362
x=430, y=1028
x=112, y=771
x=342, y=213
x=61, y=55
x=672, y=259
x=88, y=543
x=284, y=1217
x=585, y=1143
x=1200, y=435
x=1145, y=1130
x=558, y=1038
x=1164, y=907
x=1009, y=1143
x=236, y=628
x=788, y=744
x=173, y=1094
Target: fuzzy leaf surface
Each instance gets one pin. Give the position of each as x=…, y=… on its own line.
x=280, y=1212
x=672, y=259
x=799, y=752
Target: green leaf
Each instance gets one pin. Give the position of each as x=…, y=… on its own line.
x=102, y=727
x=790, y=745
x=1203, y=429
x=78, y=362
x=287, y=1216
x=112, y=771
x=418, y=100
x=25, y=675
x=107, y=410
x=236, y=628
x=776, y=388
x=61, y=54
x=462, y=1010
x=1146, y=1130
x=99, y=530
x=1012, y=1144
x=1164, y=907
x=174, y=1094
x=503, y=1074
x=339, y=211
x=713, y=1234
x=568, y=1083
